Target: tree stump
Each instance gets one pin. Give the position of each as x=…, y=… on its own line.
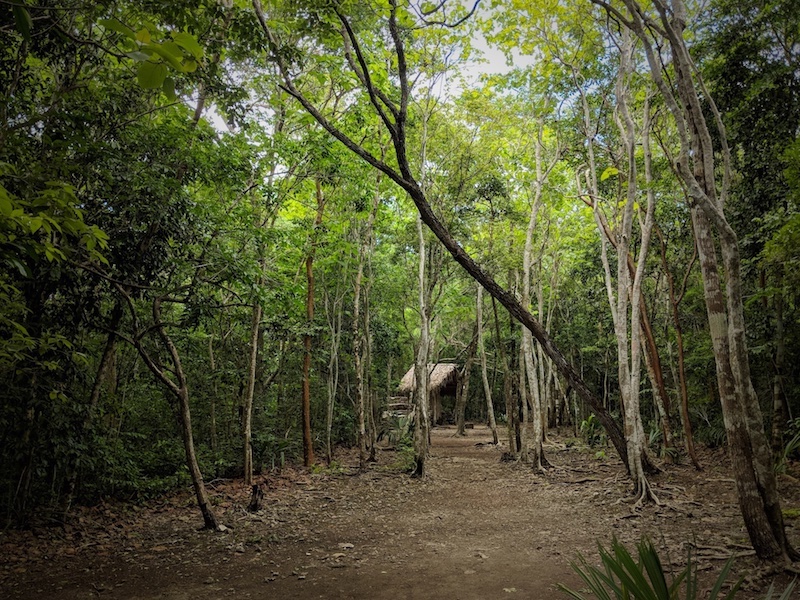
x=255, y=499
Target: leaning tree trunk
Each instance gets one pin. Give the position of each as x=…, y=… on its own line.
x=180, y=390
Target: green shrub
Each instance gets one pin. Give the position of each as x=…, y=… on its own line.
x=593, y=432
x=624, y=578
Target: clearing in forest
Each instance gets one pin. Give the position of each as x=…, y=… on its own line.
x=475, y=528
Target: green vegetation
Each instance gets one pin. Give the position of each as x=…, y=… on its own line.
x=624, y=577
x=208, y=218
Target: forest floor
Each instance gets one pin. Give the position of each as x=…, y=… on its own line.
x=474, y=528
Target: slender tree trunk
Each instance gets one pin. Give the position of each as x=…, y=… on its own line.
x=675, y=298
x=629, y=362
x=214, y=391
x=487, y=389
x=779, y=413
x=308, y=440
x=362, y=394
x=247, y=417
x=421, y=375
x=109, y=350
x=180, y=390
x=524, y=403
x=508, y=395
x=358, y=363
x=463, y=394
x=527, y=349
x=335, y=318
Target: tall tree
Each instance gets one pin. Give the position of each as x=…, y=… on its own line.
x=393, y=113
x=683, y=93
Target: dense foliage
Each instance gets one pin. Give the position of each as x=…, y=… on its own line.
x=159, y=186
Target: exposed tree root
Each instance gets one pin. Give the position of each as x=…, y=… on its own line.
x=645, y=494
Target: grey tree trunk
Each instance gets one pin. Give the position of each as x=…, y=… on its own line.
x=749, y=450
x=421, y=375
x=180, y=390
x=487, y=389
x=247, y=416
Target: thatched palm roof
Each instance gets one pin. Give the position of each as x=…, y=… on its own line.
x=442, y=375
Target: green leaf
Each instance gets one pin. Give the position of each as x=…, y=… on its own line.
x=609, y=172
x=23, y=20
x=188, y=42
x=190, y=66
x=173, y=49
x=167, y=56
x=169, y=89
x=115, y=25
x=143, y=36
x=5, y=205
x=151, y=75
x=139, y=56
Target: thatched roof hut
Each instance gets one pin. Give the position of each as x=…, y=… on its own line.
x=444, y=379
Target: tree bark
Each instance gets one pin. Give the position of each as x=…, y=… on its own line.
x=421, y=375
x=247, y=416
x=308, y=440
x=487, y=389
x=180, y=390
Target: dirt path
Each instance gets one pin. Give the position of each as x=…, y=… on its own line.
x=474, y=529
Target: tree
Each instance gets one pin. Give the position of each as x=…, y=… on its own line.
x=394, y=115
x=695, y=166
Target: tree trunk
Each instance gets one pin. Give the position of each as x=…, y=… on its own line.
x=487, y=389
x=180, y=390
x=421, y=375
x=675, y=300
x=463, y=394
x=335, y=318
x=779, y=413
x=629, y=358
x=364, y=245
x=106, y=359
x=308, y=440
x=247, y=416
x=527, y=349
x=214, y=390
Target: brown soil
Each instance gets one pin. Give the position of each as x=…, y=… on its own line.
x=475, y=528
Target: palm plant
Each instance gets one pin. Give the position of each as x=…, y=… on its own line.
x=621, y=577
